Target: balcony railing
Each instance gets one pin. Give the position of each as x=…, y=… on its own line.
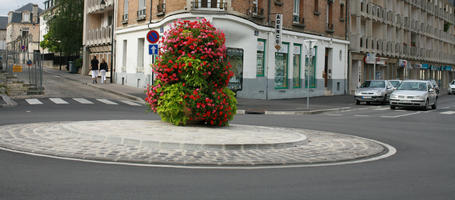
x=204, y=4
x=141, y=14
x=102, y=35
x=95, y=5
x=161, y=9
x=329, y=28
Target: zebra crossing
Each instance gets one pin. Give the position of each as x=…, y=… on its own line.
x=84, y=101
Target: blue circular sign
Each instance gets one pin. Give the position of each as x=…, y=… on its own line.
x=153, y=36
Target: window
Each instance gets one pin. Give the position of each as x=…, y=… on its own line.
x=342, y=12
x=310, y=72
x=125, y=7
x=235, y=57
x=316, y=7
x=208, y=4
x=260, y=59
x=296, y=66
x=296, y=11
x=255, y=7
x=281, y=67
x=140, y=55
x=141, y=5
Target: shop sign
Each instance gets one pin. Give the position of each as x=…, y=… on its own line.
x=278, y=30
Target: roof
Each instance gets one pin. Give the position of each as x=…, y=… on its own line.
x=3, y=22
x=29, y=7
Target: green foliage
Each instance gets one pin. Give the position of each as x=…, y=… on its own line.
x=65, y=27
x=171, y=108
x=78, y=63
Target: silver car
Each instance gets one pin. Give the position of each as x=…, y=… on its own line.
x=373, y=91
x=414, y=93
x=451, y=88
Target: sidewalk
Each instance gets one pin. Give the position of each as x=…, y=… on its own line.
x=245, y=106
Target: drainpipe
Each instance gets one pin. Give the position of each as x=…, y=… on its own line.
x=347, y=89
x=268, y=12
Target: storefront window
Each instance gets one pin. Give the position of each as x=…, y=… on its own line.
x=260, y=58
x=310, y=71
x=296, y=66
x=235, y=57
x=281, y=67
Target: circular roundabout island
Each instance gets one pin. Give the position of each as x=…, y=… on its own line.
x=156, y=143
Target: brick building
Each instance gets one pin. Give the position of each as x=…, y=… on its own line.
x=262, y=70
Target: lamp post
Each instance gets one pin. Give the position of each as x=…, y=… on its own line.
x=103, y=3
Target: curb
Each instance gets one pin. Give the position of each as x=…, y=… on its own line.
x=310, y=112
x=9, y=102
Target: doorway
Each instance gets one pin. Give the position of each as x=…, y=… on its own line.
x=327, y=74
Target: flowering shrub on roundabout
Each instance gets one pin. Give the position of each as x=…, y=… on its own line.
x=192, y=76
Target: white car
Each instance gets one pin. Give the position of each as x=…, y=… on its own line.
x=414, y=93
x=451, y=87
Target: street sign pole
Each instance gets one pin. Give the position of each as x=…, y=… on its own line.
x=310, y=54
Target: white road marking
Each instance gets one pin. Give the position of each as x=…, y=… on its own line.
x=33, y=101
x=445, y=107
x=82, y=101
x=130, y=103
x=361, y=115
x=58, y=101
x=403, y=115
x=448, y=112
x=107, y=101
x=383, y=108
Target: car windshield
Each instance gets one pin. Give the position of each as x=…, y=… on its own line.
x=395, y=83
x=373, y=84
x=421, y=86
x=453, y=83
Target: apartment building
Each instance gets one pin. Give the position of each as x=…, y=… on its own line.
x=48, y=12
x=3, y=24
x=264, y=68
x=401, y=39
x=98, y=32
x=22, y=32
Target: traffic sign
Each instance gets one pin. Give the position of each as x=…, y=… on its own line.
x=153, y=49
x=29, y=63
x=153, y=36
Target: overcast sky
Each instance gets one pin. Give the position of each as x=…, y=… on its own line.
x=10, y=5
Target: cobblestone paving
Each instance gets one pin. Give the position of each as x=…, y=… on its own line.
x=115, y=141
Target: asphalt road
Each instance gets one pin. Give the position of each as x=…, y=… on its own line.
x=423, y=168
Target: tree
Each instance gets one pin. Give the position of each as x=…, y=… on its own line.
x=192, y=75
x=65, y=28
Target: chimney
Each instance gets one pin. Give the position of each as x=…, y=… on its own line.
x=35, y=13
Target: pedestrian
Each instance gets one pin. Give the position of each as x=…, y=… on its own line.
x=94, y=63
x=103, y=70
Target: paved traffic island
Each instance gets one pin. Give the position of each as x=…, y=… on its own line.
x=158, y=143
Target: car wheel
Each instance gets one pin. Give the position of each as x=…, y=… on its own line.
x=425, y=107
x=357, y=102
x=392, y=107
x=434, y=105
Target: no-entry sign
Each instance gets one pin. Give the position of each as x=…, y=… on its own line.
x=153, y=36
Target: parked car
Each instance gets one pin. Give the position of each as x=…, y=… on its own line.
x=414, y=93
x=395, y=83
x=373, y=91
x=435, y=85
x=451, y=87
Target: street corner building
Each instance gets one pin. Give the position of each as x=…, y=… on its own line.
x=411, y=39
x=267, y=42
